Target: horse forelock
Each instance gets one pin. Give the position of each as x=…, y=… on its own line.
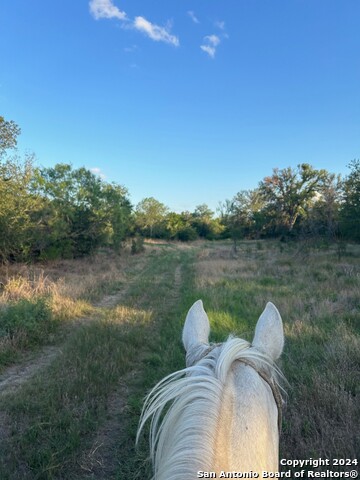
x=182, y=436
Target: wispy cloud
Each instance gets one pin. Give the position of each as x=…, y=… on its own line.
x=193, y=16
x=212, y=40
x=155, y=32
x=209, y=50
x=105, y=9
x=210, y=44
x=97, y=171
x=220, y=24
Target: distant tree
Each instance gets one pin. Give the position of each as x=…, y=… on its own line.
x=117, y=213
x=350, y=211
x=242, y=216
x=17, y=208
x=9, y=131
x=288, y=194
x=150, y=217
x=82, y=211
x=204, y=212
x=231, y=221
x=202, y=221
x=323, y=216
x=175, y=222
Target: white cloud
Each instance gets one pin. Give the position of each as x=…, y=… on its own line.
x=210, y=44
x=105, y=9
x=155, y=32
x=193, y=16
x=213, y=40
x=209, y=50
x=220, y=24
x=97, y=171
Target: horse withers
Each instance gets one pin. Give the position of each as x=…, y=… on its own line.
x=225, y=406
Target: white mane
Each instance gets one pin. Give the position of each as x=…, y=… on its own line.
x=182, y=438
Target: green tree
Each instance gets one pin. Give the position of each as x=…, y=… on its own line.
x=175, y=223
x=117, y=209
x=231, y=221
x=289, y=193
x=17, y=207
x=150, y=217
x=243, y=215
x=350, y=211
x=9, y=131
x=81, y=213
x=323, y=217
x=202, y=221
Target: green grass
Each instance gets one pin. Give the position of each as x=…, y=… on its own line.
x=25, y=325
x=54, y=421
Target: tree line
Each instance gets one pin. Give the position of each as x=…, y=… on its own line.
x=62, y=212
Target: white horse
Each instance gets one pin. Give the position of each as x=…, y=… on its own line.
x=225, y=413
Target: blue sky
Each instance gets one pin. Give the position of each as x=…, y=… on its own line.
x=189, y=101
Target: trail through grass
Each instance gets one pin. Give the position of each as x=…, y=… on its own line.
x=77, y=418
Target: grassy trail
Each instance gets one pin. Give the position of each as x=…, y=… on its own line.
x=73, y=419
x=77, y=418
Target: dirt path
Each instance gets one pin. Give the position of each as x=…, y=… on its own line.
x=100, y=461
x=16, y=375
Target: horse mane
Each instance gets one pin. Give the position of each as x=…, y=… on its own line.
x=182, y=436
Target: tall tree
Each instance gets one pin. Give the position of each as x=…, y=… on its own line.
x=288, y=194
x=150, y=216
x=350, y=212
x=323, y=217
x=17, y=208
x=9, y=131
x=82, y=211
x=242, y=215
x=202, y=221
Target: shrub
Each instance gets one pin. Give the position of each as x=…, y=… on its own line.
x=137, y=245
x=187, y=234
x=27, y=322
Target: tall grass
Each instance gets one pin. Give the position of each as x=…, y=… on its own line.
x=54, y=426
x=318, y=296
x=42, y=298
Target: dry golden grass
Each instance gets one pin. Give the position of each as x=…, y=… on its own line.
x=318, y=296
x=70, y=284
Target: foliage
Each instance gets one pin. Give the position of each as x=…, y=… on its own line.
x=350, y=211
x=243, y=215
x=323, y=217
x=289, y=193
x=28, y=321
x=9, y=131
x=58, y=212
x=150, y=217
x=18, y=209
x=137, y=245
x=298, y=203
x=153, y=219
x=204, y=224
x=62, y=212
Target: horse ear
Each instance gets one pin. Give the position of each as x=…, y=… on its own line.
x=269, y=333
x=197, y=327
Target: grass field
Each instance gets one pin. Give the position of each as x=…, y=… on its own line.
x=113, y=327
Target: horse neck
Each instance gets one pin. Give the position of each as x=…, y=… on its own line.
x=247, y=431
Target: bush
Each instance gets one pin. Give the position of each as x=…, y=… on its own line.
x=27, y=322
x=187, y=234
x=137, y=245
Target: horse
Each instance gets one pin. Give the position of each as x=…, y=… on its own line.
x=224, y=417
